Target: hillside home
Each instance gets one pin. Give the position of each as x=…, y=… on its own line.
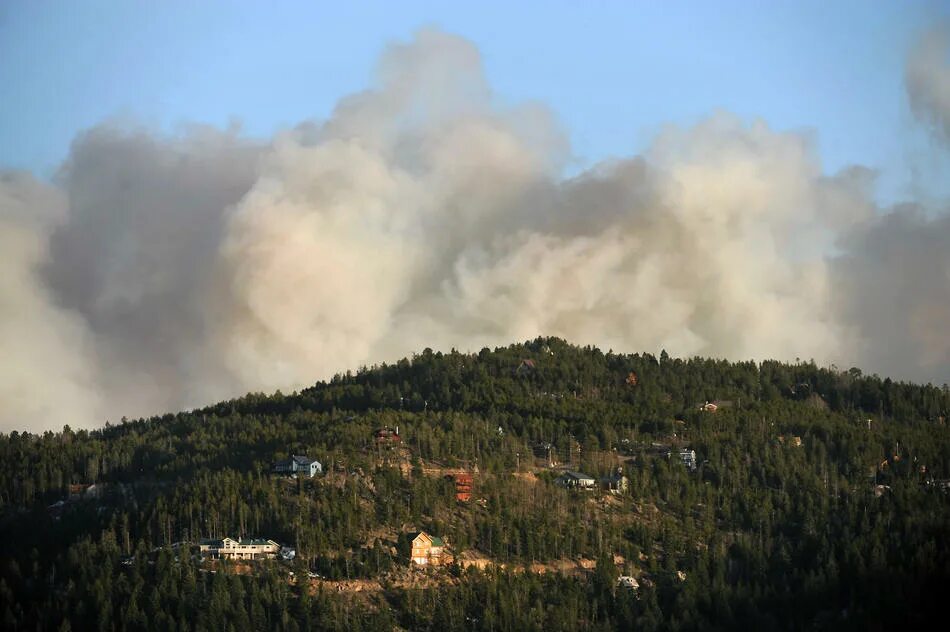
x=463, y=486
x=302, y=465
x=687, y=456
x=627, y=581
x=387, y=436
x=288, y=553
x=576, y=480
x=77, y=491
x=427, y=550
x=243, y=549
x=711, y=407
x=527, y=366
x=616, y=483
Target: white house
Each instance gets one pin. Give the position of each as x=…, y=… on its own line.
x=302, y=465
x=688, y=457
x=243, y=549
x=627, y=581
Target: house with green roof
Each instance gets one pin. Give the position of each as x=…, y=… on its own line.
x=427, y=550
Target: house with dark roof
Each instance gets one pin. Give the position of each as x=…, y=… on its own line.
x=576, y=480
x=616, y=483
x=302, y=465
x=288, y=553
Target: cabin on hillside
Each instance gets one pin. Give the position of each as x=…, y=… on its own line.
x=527, y=366
x=794, y=441
x=687, y=456
x=77, y=491
x=576, y=480
x=713, y=406
x=427, y=550
x=302, y=465
x=387, y=436
x=629, y=582
x=242, y=549
x=616, y=483
x=288, y=553
x=464, y=482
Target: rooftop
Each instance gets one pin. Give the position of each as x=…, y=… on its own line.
x=254, y=541
x=577, y=475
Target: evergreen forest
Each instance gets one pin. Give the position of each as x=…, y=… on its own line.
x=819, y=498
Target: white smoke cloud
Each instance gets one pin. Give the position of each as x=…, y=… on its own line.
x=166, y=272
x=48, y=370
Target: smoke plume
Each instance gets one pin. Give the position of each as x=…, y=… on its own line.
x=162, y=272
x=927, y=78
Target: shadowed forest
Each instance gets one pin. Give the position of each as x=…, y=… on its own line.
x=819, y=499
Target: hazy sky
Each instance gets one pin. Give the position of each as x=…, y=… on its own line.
x=613, y=72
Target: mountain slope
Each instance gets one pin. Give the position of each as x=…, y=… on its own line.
x=816, y=500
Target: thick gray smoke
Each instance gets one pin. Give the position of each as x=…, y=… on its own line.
x=159, y=273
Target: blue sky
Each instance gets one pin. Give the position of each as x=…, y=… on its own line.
x=613, y=72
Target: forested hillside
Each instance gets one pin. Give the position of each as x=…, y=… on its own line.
x=819, y=499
